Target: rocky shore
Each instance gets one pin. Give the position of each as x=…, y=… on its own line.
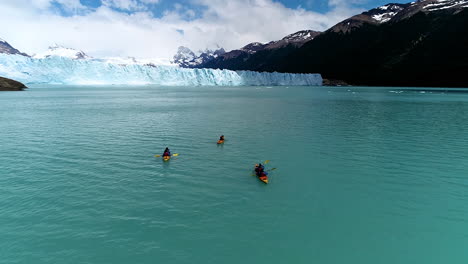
x=11, y=85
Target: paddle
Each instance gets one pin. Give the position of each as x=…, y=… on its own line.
x=173, y=155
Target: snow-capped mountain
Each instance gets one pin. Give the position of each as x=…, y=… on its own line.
x=434, y=5
x=253, y=47
x=385, y=13
x=296, y=39
x=302, y=35
x=209, y=55
x=6, y=48
x=421, y=43
x=431, y=6
x=185, y=57
x=60, y=51
x=396, y=12
x=377, y=15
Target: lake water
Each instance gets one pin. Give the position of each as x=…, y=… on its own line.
x=364, y=175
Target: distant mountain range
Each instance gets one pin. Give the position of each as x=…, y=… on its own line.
x=217, y=58
x=423, y=43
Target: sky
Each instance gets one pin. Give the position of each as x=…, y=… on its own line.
x=156, y=28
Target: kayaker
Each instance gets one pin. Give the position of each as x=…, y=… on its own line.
x=221, y=138
x=167, y=152
x=259, y=169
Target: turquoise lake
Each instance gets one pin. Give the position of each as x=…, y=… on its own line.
x=363, y=175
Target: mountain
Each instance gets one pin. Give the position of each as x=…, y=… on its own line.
x=296, y=39
x=60, y=51
x=374, y=16
x=6, y=48
x=188, y=59
x=423, y=43
x=260, y=57
x=396, y=12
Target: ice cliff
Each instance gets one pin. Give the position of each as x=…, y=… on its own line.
x=61, y=70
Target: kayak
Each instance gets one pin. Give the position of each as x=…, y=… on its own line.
x=220, y=141
x=264, y=178
x=166, y=158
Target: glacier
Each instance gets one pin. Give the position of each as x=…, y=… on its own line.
x=68, y=71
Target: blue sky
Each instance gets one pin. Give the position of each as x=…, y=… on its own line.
x=156, y=28
x=321, y=6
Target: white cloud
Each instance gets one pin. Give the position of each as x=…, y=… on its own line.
x=105, y=31
x=128, y=5
x=122, y=4
x=71, y=4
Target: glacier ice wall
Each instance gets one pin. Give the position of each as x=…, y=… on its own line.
x=60, y=70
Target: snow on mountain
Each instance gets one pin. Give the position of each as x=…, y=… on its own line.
x=253, y=47
x=187, y=58
x=401, y=11
x=396, y=12
x=296, y=39
x=6, y=48
x=184, y=57
x=434, y=5
x=385, y=13
x=63, y=70
x=60, y=51
x=303, y=35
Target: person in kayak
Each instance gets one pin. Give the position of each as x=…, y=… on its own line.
x=259, y=169
x=167, y=153
x=221, y=138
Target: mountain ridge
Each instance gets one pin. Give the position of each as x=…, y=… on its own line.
x=6, y=48
x=187, y=58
